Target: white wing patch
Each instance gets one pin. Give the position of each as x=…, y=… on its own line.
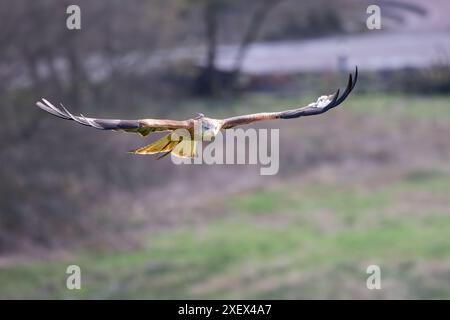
x=322, y=101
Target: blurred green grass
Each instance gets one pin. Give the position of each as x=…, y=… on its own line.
x=294, y=239
x=245, y=256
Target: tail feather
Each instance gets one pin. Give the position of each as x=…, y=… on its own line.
x=181, y=148
x=186, y=149
x=164, y=144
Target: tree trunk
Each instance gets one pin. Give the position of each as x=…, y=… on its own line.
x=252, y=32
x=210, y=74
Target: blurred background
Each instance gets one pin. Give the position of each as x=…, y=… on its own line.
x=368, y=183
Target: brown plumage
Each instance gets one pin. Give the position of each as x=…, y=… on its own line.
x=185, y=145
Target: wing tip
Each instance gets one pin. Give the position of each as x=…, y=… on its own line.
x=50, y=108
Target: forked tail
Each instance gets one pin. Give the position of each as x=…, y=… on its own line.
x=181, y=148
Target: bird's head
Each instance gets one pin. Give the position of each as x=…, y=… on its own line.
x=210, y=128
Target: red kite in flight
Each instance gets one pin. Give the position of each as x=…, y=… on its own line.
x=209, y=127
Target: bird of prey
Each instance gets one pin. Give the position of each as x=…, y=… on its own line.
x=183, y=145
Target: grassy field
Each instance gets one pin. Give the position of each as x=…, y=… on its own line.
x=304, y=235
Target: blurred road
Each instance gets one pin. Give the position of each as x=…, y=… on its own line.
x=376, y=50
x=372, y=51
x=418, y=40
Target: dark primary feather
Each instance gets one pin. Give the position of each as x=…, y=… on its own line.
x=103, y=124
x=335, y=100
x=142, y=126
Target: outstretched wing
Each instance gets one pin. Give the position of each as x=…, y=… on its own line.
x=323, y=104
x=142, y=126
